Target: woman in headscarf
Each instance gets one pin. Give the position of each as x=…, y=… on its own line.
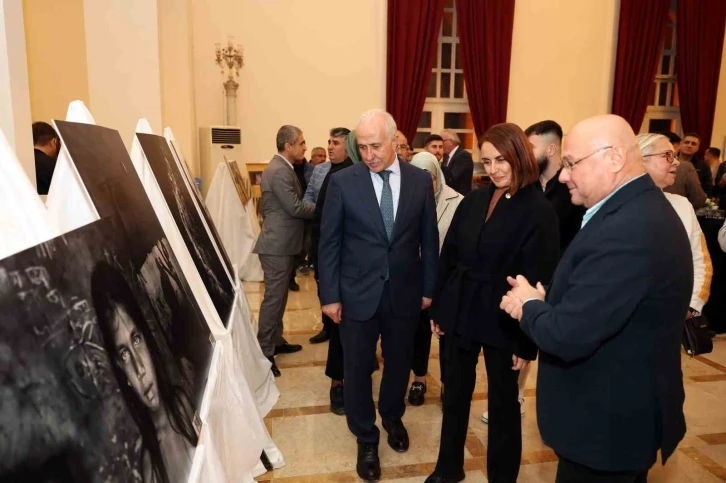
x=446, y=202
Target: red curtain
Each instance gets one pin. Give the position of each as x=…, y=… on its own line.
x=640, y=42
x=699, y=33
x=485, y=35
x=413, y=33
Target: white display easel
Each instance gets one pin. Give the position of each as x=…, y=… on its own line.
x=242, y=389
x=237, y=224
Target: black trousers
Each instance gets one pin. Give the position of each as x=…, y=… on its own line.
x=422, y=345
x=504, y=448
x=571, y=472
x=334, y=364
x=359, y=340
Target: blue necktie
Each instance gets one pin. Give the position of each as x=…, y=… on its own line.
x=387, y=203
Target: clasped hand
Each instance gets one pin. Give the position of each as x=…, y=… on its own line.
x=520, y=292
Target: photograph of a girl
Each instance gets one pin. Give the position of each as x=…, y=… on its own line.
x=94, y=382
x=159, y=405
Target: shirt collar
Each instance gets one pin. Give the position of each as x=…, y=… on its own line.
x=395, y=168
x=285, y=159
x=451, y=154
x=594, y=209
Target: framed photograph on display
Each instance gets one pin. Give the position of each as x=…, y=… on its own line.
x=96, y=380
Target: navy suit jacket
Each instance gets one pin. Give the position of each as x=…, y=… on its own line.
x=355, y=254
x=610, y=386
x=460, y=171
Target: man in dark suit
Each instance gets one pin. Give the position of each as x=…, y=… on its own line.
x=457, y=165
x=377, y=261
x=610, y=387
x=47, y=146
x=281, y=238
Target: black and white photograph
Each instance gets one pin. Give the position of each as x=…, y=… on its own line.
x=201, y=205
x=196, y=237
x=105, y=167
x=94, y=387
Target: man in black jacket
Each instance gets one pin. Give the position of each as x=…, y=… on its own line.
x=546, y=139
x=457, y=165
x=610, y=387
x=47, y=146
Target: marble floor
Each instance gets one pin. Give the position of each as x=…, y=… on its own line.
x=318, y=447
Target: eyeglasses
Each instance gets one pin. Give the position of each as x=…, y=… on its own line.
x=568, y=165
x=668, y=155
x=403, y=146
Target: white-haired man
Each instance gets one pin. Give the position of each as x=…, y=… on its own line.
x=379, y=246
x=457, y=165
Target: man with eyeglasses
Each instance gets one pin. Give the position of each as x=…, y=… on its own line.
x=402, y=147
x=609, y=326
x=687, y=182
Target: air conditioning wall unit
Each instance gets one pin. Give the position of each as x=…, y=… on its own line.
x=216, y=142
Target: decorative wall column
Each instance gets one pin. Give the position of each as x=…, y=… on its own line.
x=15, y=120
x=122, y=48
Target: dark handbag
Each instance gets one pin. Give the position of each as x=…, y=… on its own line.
x=696, y=337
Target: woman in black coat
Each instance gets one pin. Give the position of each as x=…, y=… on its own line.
x=505, y=229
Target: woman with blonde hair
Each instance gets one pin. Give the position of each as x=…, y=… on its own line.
x=660, y=162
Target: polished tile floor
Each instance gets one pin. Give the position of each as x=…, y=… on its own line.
x=318, y=447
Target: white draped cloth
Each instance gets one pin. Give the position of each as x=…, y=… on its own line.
x=237, y=224
x=24, y=220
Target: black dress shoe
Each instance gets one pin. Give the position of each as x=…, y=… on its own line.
x=397, y=435
x=441, y=479
x=275, y=370
x=416, y=394
x=287, y=348
x=337, y=401
x=294, y=287
x=321, y=336
x=368, y=466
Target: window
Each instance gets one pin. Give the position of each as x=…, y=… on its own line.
x=664, y=113
x=446, y=104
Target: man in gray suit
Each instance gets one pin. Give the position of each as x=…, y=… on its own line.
x=281, y=238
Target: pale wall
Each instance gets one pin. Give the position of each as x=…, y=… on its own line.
x=563, y=55
x=177, y=75
x=719, y=121
x=15, y=120
x=315, y=64
x=56, y=47
x=122, y=46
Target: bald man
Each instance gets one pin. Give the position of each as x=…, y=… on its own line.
x=610, y=387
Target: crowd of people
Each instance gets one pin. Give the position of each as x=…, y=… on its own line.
x=561, y=256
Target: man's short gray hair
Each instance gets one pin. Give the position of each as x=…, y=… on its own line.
x=647, y=142
x=390, y=123
x=454, y=137
x=287, y=134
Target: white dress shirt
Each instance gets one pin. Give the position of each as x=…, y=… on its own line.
x=288, y=162
x=451, y=155
x=394, y=180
